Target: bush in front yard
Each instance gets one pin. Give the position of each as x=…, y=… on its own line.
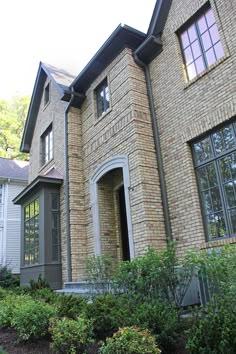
x=8, y=306
x=31, y=320
x=107, y=314
x=130, y=340
x=70, y=306
x=70, y=336
x=7, y=279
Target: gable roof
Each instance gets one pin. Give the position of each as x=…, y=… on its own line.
x=61, y=79
x=123, y=37
x=14, y=169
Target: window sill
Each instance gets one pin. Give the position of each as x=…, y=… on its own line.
x=205, y=72
x=46, y=165
x=102, y=116
x=218, y=242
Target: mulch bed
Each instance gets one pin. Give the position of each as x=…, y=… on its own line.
x=8, y=342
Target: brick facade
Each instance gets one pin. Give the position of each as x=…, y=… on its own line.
x=187, y=110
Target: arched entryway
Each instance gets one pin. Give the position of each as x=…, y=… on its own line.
x=111, y=209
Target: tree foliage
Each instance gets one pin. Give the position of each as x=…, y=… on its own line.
x=12, y=119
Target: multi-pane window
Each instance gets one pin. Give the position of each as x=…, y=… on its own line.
x=46, y=94
x=103, y=98
x=201, y=45
x=47, y=145
x=1, y=201
x=31, y=233
x=55, y=227
x=215, y=162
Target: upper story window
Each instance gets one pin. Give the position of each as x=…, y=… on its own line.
x=201, y=45
x=47, y=145
x=31, y=233
x=215, y=163
x=103, y=98
x=46, y=94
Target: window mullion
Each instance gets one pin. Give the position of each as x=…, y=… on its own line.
x=201, y=45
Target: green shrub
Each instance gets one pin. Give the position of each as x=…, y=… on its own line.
x=44, y=294
x=70, y=336
x=2, y=351
x=161, y=319
x=156, y=275
x=70, y=306
x=130, y=340
x=7, y=279
x=3, y=293
x=99, y=273
x=107, y=314
x=8, y=306
x=40, y=283
x=214, y=328
x=31, y=320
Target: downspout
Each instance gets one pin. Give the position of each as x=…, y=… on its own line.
x=157, y=144
x=66, y=192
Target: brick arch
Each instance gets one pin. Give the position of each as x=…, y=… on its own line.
x=102, y=170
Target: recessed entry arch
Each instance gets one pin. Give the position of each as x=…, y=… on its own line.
x=117, y=162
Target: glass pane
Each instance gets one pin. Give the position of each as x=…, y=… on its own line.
x=210, y=17
x=202, y=175
x=210, y=55
x=27, y=215
x=192, y=33
x=219, y=50
x=216, y=225
x=196, y=49
x=200, y=65
x=228, y=167
x=211, y=173
x=202, y=25
x=36, y=206
x=188, y=55
x=229, y=189
x=216, y=201
x=214, y=34
x=55, y=220
x=202, y=150
x=54, y=201
x=233, y=220
x=223, y=139
x=31, y=210
x=207, y=202
x=184, y=39
x=191, y=71
x=206, y=41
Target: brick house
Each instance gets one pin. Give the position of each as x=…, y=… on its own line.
x=138, y=149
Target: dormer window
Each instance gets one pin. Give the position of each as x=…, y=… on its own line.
x=103, y=98
x=46, y=94
x=47, y=145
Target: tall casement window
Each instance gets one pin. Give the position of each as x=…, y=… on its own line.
x=201, y=45
x=102, y=98
x=215, y=163
x=55, y=227
x=46, y=94
x=31, y=233
x=47, y=145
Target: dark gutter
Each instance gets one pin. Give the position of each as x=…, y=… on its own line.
x=159, y=17
x=66, y=190
x=123, y=36
x=157, y=144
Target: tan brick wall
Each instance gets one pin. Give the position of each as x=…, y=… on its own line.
x=185, y=111
x=124, y=130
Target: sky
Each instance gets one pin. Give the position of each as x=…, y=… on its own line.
x=63, y=33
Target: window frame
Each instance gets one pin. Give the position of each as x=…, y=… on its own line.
x=215, y=159
x=106, y=104
x=1, y=200
x=193, y=21
x=36, y=240
x=47, y=142
x=46, y=94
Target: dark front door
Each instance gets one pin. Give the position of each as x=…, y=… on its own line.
x=123, y=225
